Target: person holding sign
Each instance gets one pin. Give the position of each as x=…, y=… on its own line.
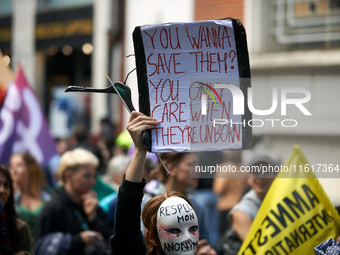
x=170, y=219
x=180, y=165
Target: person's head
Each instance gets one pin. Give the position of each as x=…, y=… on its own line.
x=80, y=133
x=27, y=173
x=116, y=169
x=107, y=129
x=7, y=201
x=171, y=224
x=77, y=170
x=260, y=181
x=179, y=165
x=151, y=161
x=6, y=188
x=62, y=145
x=148, y=168
x=122, y=143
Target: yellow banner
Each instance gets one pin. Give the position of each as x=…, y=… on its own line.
x=295, y=216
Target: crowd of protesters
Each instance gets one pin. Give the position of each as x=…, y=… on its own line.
x=97, y=188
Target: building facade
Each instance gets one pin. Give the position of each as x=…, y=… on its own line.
x=292, y=44
x=60, y=43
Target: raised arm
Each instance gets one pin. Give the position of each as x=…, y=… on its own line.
x=128, y=210
x=138, y=123
x=241, y=224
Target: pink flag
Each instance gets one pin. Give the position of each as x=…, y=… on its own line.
x=23, y=126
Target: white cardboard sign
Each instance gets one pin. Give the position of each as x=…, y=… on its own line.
x=180, y=69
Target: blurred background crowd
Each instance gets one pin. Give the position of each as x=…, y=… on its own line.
x=89, y=170
x=60, y=43
x=291, y=43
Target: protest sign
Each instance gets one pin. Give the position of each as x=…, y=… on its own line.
x=23, y=126
x=189, y=75
x=295, y=216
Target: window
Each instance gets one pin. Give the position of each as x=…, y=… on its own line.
x=5, y=8
x=53, y=4
x=307, y=22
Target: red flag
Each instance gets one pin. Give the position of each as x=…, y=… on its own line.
x=23, y=126
x=3, y=90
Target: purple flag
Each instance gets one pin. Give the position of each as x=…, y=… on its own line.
x=23, y=126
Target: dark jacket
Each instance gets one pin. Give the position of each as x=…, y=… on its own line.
x=127, y=237
x=60, y=215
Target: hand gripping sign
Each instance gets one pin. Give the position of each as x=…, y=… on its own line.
x=193, y=77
